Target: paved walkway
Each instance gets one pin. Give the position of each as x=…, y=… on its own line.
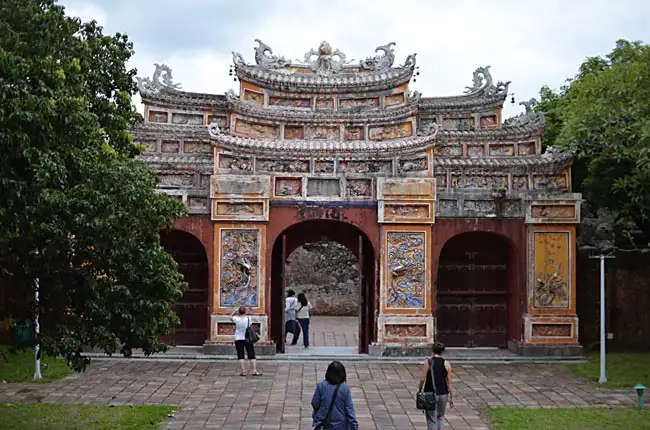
x=212, y=396
x=332, y=331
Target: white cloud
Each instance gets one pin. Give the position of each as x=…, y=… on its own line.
x=529, y=43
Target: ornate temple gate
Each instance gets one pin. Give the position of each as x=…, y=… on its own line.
x=327, y=132
x=473, y=291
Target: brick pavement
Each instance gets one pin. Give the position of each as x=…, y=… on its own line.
x=333, y=331
x=212, y=395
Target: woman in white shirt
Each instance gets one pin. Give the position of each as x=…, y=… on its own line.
x=242, y=322
x=303, y=317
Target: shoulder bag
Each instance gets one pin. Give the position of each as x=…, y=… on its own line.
x=251, y=335
x=427, y=401
x=328, y=417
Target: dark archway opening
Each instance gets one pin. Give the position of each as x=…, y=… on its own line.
x=314, y=231
x=192, y=309
x=475, y=281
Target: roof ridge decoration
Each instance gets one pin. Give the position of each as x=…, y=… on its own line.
x=528, y=118
x=380, y=62
x=483, y=84
x=162, y=79
x=327, y=62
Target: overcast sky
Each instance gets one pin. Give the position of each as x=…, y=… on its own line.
x=531, y=43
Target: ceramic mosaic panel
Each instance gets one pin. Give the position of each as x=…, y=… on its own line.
x=401, y=212
x=376, y=166
x=358, y=188
x=239, y=208
x=192, y=146
x=294, y=132
x=400, y=331
x=502, y=150
x=354, y=133
x=519, y=182
x=449, y=150
x=323, y=166
x=325, y=102
x=488, y=122
x=458, y=124
x=479, y=181
x=395, y=131
x=552, y=269
x=183, y=180
x=290, y=102
x=170, y=146
x=552, y=330
x=235, y=163
x=197, y=202
x=254, y=97
x=413, y=164
x=275, y=165
x=288, y=187
x=187, y=118
x=395, y=100
x=363, y=103
x=327, y=132
x=256, y=130
x=158, y=116
x=526, y=148
x=554, y=211
x=150, y=145
x=239, y=267
x=551, y=182
x=475, y=150
x=219, y=120
x=406, y=269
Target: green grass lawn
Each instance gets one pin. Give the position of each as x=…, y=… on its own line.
x=624, y=370
x=42, y=416
x=21, y=367
x=569, y=419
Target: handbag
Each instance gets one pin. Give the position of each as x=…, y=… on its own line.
x=326, y=422
x=251, y=335
x=427, y=401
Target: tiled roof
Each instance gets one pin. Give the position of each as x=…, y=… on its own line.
x=503, y=161
x=173, y=162
x=150, y=130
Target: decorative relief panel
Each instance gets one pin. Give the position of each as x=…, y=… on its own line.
x=256, y=130
x=488, y=122
x=327, y=132
x=519, y=182
x=228, y=328
x=551, y=182
x=406, y=212
x=441, y=180
x=475, y=150
x=526, y=148
x=512, y=209
x=406, y=270
x=552, y=330
x=290, y=102
x=395, y=100
x=319, y=187
x=553, y=211
x=234, y=163
x=183, y=180
x=400, y=331
x=406, y=188
x=238, y=186
x=358, y=188
x=359, y=104
x=221, y=121
x=449, y=150
x=376, y=166
x=479, y=207
x=324, y=102
x=354, y=133
x=157, y=116
x=245, y=210
x=323, y=166
x=458, y=124
x=195, y=146
x=170, y=146
x=187, y=118
x=197, y=202
x=418, y=164
x=479, y=181
x=287, y=187
x=552, y=269
x=294, y=132
x=150, y=145
x=498, y=150
x=396, y=131
x=447, y=207
x=239, y=267
x=254, y=97
x=274, y=165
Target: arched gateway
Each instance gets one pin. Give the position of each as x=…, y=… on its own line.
x=331, y=148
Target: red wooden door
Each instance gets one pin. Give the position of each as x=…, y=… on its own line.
x=473, y=292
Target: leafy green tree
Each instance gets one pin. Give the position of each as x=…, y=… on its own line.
x=603, y=114
x=77, y=210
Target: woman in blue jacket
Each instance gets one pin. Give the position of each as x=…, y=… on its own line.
x=332, y=401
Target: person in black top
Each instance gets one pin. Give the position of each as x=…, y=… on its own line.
x=444, y=387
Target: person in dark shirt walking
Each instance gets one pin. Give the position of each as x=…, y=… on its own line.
x=444, y=387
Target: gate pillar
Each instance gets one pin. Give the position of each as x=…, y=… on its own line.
x=550, y=322
x=239, y=210
x=405, y=324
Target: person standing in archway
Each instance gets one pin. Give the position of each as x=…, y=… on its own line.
x=291, y=324
x=443, y=386
x=303, y=317
x=242, y=323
